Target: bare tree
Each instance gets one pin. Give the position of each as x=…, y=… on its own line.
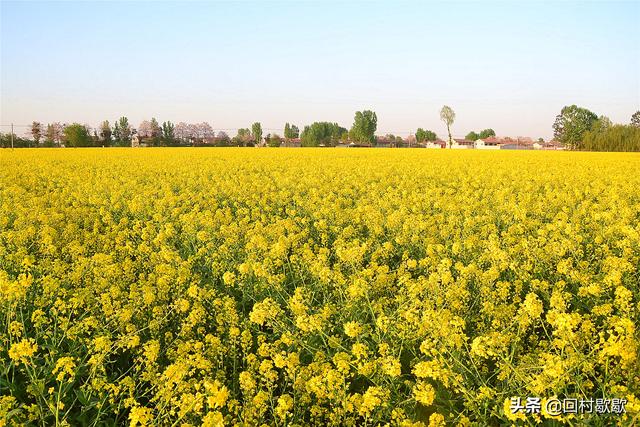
x=36, y=132
x=55, y=133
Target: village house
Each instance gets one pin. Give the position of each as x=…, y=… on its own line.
x=549, y=145
x=438, y=143
x=461, y=143
x=491, y=143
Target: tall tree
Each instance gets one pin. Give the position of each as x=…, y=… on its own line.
x=77, y=135
x=291, y=131
x=168, y=132
x=105, y=133
x=256, y=132
x=635, y=119
x=55, y=133
x=116, y=132
x=156, y=130
x=36, y=132
x=364, y=127
x=448, y=116
x=126, y=132
x=571, y=124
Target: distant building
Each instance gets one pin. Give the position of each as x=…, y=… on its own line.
x=383, y=142
x=491, y=143
x=461, y=143
x=551, y=145
x=517, y=145
x=438, y=143
x=291, y=142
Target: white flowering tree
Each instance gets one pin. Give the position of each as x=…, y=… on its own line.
x=144, y=129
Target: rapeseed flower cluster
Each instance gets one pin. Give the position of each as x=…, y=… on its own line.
x=315, y=287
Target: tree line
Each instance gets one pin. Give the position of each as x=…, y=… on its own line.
x=581, y=129
x=575, y=127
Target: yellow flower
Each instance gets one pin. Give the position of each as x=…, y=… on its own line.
x=285, y=404
x=264, y=311
x=140, y=415
x=436, y=420
x=391, y=366
x=372, y=399
x=352, y=329
x=23, y=350
x=424, y=393
x=65, y=366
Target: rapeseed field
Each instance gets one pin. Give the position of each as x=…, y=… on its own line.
x=187, y=287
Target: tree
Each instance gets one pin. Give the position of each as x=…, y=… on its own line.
x=124, y=132
x=425, y=135
x=291, y=131
x=472, y=136
x=222, y=139
x=256, y=132
x=364, y=127
x=181, y=132
x=105, y=133
x=116, y=133
x=36, y=132
x=612, y=138
x=486, y=133
x=421, y=135
x=571, y=124
x=144, y=129
x=321, y=133
x=448, y=116
x=274, y=140
x=242, y=138
x=635, y=119
x=603, y=123
x=168, y=132
x=77, y=135
x=156, y=130
x=55, y=134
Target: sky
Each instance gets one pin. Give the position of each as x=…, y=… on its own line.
x=509, y=65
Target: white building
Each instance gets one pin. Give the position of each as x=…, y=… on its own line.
x=487, y=144
x=461, y=144
x=438, y=143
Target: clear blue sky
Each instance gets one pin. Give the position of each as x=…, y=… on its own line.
x=506, y=65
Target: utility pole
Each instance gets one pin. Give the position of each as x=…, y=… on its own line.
x=12, y=136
